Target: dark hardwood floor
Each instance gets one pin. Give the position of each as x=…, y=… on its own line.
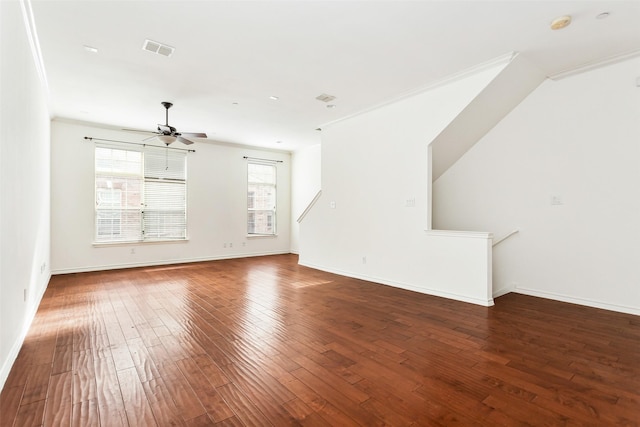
x=263, y=341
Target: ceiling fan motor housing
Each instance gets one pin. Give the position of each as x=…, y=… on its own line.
x=167, y=130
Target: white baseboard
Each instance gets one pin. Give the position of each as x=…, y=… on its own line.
x=401, y=285
x=579, y=301
x=161, y=262
x=502, y=292
x=17, y=345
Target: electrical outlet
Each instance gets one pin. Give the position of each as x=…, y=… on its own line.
x=224, y=245
x=556, y=200
x=133, y=251
x=230, y=245
x=364, y=259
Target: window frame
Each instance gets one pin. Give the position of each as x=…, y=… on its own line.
x=253, y=207
x=139, y=177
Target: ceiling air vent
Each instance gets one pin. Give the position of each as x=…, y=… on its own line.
x=159, y=48
x=325, y=98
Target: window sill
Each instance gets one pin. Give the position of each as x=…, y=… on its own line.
x=260, y=236
x=138, y=243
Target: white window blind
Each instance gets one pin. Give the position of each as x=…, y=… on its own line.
x=165, y=194
x=261, y=198
x=140, y=195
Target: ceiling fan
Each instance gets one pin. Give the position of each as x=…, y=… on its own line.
x=168, y=134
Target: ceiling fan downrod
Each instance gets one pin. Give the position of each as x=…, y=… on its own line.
x=167, y=105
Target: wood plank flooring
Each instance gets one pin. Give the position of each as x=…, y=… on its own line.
x=265, y=342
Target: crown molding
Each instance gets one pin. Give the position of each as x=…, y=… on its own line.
x=502, y=59
x=32, y=35
x=592, y=65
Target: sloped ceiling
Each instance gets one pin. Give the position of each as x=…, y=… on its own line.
x=512, y=85
x=231, y=56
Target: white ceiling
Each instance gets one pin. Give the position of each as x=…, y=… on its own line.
x=362, y=52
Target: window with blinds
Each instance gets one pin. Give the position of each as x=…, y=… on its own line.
x=140, y=195
x=261, y=198
x=165, y=195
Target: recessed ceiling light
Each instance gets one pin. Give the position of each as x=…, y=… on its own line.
x=90, y=49
x=603, y=15
x=331, y=105
x=278, y=142
x=234, y=103
x=275, y=98
x=561, y=22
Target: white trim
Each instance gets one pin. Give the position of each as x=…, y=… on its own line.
x=163, y=262
x=595, y=64
x=309, y=206
x=17, y=345
x=402, y=285
x=137, y=243
x=32, y=35
x=502, y=292
x=456, y=233
x=506, y=58
x=579, y=301
x=203, y=140
x=505, y=237
x=429, y=194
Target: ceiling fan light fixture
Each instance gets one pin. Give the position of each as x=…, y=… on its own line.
x=166, y=139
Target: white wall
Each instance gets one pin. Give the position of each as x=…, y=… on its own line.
x=217, y=204
x=371, y=219
x=24, y=184
x=305, y=184
x=577, y=139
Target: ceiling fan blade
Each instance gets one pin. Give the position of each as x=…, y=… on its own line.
x=139, y=130
x=185, y=140
x=194, y=134
x=150, y=138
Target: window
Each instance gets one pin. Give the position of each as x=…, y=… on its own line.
x=140, y=195
x=261, y=198
x=118, y=195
